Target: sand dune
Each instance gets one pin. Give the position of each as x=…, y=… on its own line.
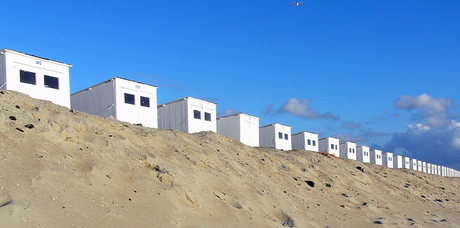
x=63, y=168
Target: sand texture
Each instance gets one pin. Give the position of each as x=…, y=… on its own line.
x=63, y=168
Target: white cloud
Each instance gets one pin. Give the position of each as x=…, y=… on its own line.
x=434, y=111
x=417, y=129
x=300, y=108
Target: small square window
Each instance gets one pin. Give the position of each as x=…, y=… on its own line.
x=286, y=136
x=314, y=143
x=207, y=116
x=51, y=82
x=309, y=142
x=332, y=146
x=197, y=114
x=27, y=77
x=280, y=135
x=129, y=98
x=145, y=101
x=336, y=147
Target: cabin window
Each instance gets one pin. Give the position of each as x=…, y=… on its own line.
x=332, y=146
x=27, y=77
x=336, y=147
x=286, y=136
x=129, y=98
x=353, y=150
x=350, y=150
x=309, y=142
x=197, y=114
x=207, y=116
x=51, y=82
x=280, y=135
x=145, y=101
x=314, y=143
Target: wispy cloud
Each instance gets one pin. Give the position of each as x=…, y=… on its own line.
x=350, y=125
x=227, y=112
x=300, y=108
x=349, y=137
x=434, y=112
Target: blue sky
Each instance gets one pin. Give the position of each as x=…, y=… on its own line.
x=379, y=73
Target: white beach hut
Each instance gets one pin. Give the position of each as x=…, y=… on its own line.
x=424, y=167
x=330, y=145
x=275, y=135
x=434, y=169
x=406, y=163
x=38, y=77
x=413, y=164
x=362, y=154
x=241, y=127
x=188, y=114
x=419, y=165
x=119, y=98
x=428, y=168
x=387, y=159
x=439, y=170
x=398, y=162
x=376, y=157
x=305, y=141
x=348, y=150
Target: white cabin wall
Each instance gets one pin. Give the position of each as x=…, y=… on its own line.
x=267, y=136
x=2, y=72
x=97, y=100
x=363, y=154
x=376, y=157
x=197, y=125
x=283, y=144
x=249, y=130
x=174, y=116
x=14, y=62
x=406, y=163
x=397, y=162
x=387, y=159
x=136, y=113
x=229, y=126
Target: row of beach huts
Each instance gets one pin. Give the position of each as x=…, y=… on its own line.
x=136, y=102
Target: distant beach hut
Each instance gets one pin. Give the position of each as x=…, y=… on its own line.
x=330, y=145
x=188, y=114
x=413, y=164
x=406, y=163
x=275, y=135
x=362, y=154
x=348, y=150
x=424, y=167
x=439, y=170
x=428, y=168
x=119, y=98
x=241, y=127
x=376, y=157
x=419, y=165
x=37, y=77
x=387, y=159
x=434, y=169
x=305, y=141
x=398, y=162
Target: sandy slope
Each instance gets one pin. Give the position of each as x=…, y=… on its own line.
x=62, y=168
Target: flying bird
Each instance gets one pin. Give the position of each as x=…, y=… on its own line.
x=297, y=3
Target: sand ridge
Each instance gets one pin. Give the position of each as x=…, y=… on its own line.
x=64, y=168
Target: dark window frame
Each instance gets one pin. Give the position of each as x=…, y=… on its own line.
x=197, y=114
x=130, y=99
x=145, y=102
x=51, y=82
x=207, y=116
x=27, y=77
